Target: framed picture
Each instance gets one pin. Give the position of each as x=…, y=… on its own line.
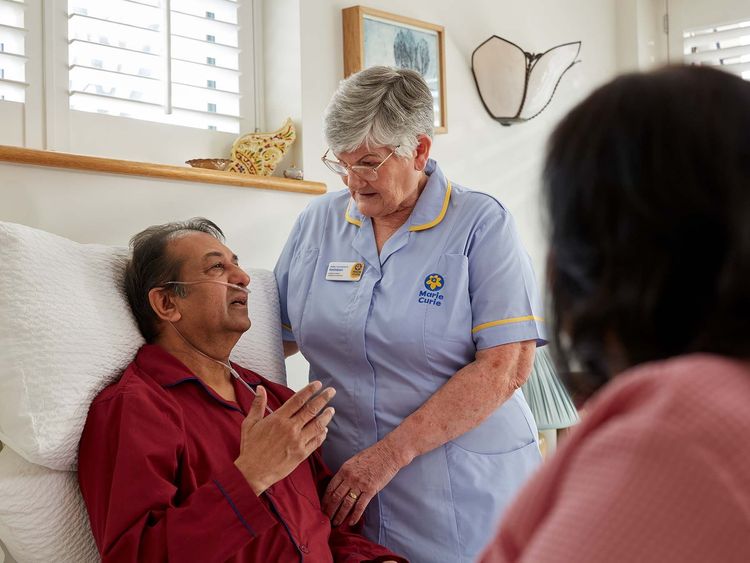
x=372, y=37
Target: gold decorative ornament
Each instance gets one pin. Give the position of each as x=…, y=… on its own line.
x=259, y=153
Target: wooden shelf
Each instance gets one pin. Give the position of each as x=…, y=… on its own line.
x=35, y=157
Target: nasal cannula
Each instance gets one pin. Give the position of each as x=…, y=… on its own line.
x=228, y=366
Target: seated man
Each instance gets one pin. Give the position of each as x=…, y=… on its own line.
x=178, y=460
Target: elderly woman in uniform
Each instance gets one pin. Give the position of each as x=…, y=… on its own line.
x=413, y=297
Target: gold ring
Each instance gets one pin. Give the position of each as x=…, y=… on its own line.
x=352, y=495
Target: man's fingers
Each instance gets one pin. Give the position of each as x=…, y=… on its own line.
x=258, y=407
x=315, y=442
x=298, y=400
x=317, y=425
x=312, y=407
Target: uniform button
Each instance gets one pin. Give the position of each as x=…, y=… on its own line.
x=304, y=549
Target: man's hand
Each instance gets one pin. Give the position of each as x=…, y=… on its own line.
x=358, y=481
x=272, y=447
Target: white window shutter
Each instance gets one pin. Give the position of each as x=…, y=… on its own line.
x=725, y=46
x=169, y=61
x=13, y=81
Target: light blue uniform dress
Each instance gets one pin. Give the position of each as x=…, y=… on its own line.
x=453, y=279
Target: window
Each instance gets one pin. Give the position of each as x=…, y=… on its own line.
x=13, y=50
x=156, y=60
x=138, y=67
x=725, y=46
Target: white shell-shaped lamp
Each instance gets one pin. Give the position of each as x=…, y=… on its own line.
x=516, y=85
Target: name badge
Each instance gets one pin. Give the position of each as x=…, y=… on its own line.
x=345, y=271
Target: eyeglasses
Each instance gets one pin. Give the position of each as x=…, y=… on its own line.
x=369, y=173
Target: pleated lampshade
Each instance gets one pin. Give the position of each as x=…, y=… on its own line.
x=548, y=400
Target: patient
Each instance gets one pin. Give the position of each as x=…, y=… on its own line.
x=648, y=190
x=178, y=460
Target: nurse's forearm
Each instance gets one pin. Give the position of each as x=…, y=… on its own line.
x=464, y=402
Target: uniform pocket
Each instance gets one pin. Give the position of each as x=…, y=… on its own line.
x=483, y=485
x=444, y=294
x=510, y=428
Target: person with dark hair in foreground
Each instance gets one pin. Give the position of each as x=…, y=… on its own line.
x=177, y=461
x=648, y=191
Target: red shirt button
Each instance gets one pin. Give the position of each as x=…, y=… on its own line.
x=304, y=549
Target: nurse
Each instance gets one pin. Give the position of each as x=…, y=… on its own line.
x=413, y=297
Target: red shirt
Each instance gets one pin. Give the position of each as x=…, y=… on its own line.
x=156, y=469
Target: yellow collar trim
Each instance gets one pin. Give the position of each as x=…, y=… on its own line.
x=439, y=218
x=349, y=218
x=423, y=227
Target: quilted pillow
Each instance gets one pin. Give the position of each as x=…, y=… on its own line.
x=42, y=515
x=66, y=331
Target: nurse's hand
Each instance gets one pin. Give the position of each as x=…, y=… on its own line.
x=271, y=447
x=358, y=481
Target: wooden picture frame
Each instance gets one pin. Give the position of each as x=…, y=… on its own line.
x=373, y=37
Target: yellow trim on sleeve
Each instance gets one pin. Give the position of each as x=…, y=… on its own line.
x=439, y=217
x=350, y=219
x=506, y=322
x=286, y=327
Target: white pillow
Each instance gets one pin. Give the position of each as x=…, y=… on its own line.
x=66, y=331
x=42, y=515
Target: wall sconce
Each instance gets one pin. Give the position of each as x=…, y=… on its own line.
x=516, y=85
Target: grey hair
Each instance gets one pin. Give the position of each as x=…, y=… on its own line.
x=379, y=106
x=151, y=265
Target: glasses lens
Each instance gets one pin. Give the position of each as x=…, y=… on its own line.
x=335, y=167
x=365, y=172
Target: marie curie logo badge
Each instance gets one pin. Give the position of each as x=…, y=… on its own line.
x=431, y=295
x=434, y=282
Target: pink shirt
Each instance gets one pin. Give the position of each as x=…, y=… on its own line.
x=658, y=471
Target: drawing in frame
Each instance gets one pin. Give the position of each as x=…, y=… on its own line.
x=373, y=37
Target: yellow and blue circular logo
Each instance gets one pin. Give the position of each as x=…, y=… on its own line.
x=434, y=282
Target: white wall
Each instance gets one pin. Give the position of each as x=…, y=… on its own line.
x=476, y=151
x=641, y=37
x=282, y=87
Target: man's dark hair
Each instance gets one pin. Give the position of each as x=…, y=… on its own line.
x=152, y=265
x=648, y=191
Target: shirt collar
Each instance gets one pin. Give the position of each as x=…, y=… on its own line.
x=167, y=370
x=431, y=206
